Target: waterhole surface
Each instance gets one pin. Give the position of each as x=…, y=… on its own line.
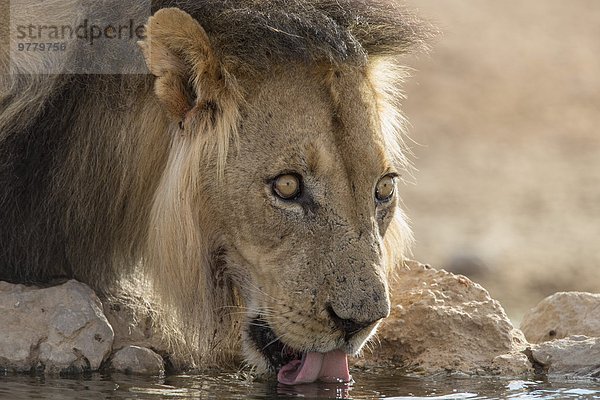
x=367, y=385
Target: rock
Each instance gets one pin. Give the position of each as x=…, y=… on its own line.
x=138, y=360
x=445, y=322
x=513, y=364
x=575, y=356
x=561, y=315
x=55, y=329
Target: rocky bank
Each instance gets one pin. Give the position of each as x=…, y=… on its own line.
x=564, y=330
x=440, y=323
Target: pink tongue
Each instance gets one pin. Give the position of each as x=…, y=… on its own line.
x=327, y=367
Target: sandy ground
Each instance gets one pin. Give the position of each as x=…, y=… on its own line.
x=505, y=115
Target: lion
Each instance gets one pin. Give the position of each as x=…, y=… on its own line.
x=250, y=180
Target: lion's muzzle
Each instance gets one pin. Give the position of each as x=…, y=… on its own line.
x=358, y=300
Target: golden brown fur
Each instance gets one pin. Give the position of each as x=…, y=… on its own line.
x=168, y=177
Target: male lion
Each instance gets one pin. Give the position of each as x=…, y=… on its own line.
x=250, y=178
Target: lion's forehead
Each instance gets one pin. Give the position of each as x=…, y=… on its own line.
x=299, y=119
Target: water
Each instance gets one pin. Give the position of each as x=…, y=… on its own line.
x=368, y=385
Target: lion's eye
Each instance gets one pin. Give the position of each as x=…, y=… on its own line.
x=287, y=186
x=384, y=191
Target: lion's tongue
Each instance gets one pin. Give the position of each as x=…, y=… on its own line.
x=330, y=367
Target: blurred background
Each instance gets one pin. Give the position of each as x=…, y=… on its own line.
x=505, y=119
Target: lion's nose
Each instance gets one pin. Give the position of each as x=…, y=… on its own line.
x=350, y=327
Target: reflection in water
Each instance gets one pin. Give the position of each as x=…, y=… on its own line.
x=317, y=390
x=367, y=385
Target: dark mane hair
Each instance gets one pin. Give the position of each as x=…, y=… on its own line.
x=262, y=32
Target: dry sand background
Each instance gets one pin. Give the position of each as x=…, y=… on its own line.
x=506, y=114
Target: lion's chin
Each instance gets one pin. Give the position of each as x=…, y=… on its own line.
x=293, y=366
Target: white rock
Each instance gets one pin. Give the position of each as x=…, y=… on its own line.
x=445, y=322
x=138, y=360
x=61, y=328
x=577, y=356
x=563, y=314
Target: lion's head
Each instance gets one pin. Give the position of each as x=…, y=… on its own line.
x=283, y=172
x=309, y=197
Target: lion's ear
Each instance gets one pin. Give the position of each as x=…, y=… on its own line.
x=178, y=52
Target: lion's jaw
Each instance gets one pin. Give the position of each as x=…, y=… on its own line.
x=293, y=329
x=301, y=342
x=312, y=270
